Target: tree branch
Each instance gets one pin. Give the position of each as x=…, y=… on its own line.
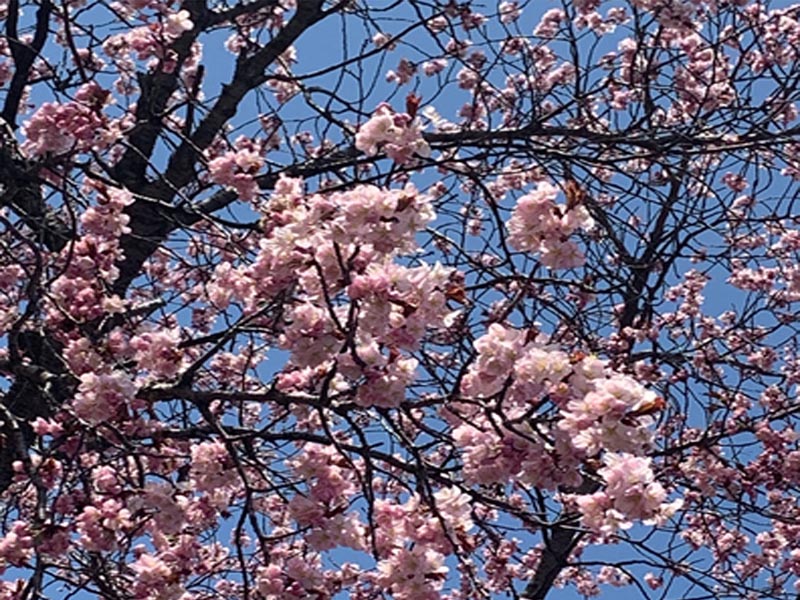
x=150, y=224
x=23, y=55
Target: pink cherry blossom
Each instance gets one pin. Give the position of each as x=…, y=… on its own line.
x=102, y=396
x=417, y=573
x=539, y=225
x=75, y=126
x=237, y=169
x=158, y=352
x=397, y=133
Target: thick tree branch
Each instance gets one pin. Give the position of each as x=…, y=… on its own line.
x=156, y=89
x=248, y=75
x=555, y=556
x=559, y=542
x=21, y=189
x=150, y=225
x=23, y=55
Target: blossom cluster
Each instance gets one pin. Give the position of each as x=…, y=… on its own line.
x=237, y=168
x=538, y=224
x=149, y=41
x=338, y=253
x=598, y=412
x=412, y=538
x=102, y=396
x=398, y=134
x=76, y=126
x=631, y=494
x=93, y=259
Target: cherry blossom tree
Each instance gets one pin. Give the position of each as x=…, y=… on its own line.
x=399, y=299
